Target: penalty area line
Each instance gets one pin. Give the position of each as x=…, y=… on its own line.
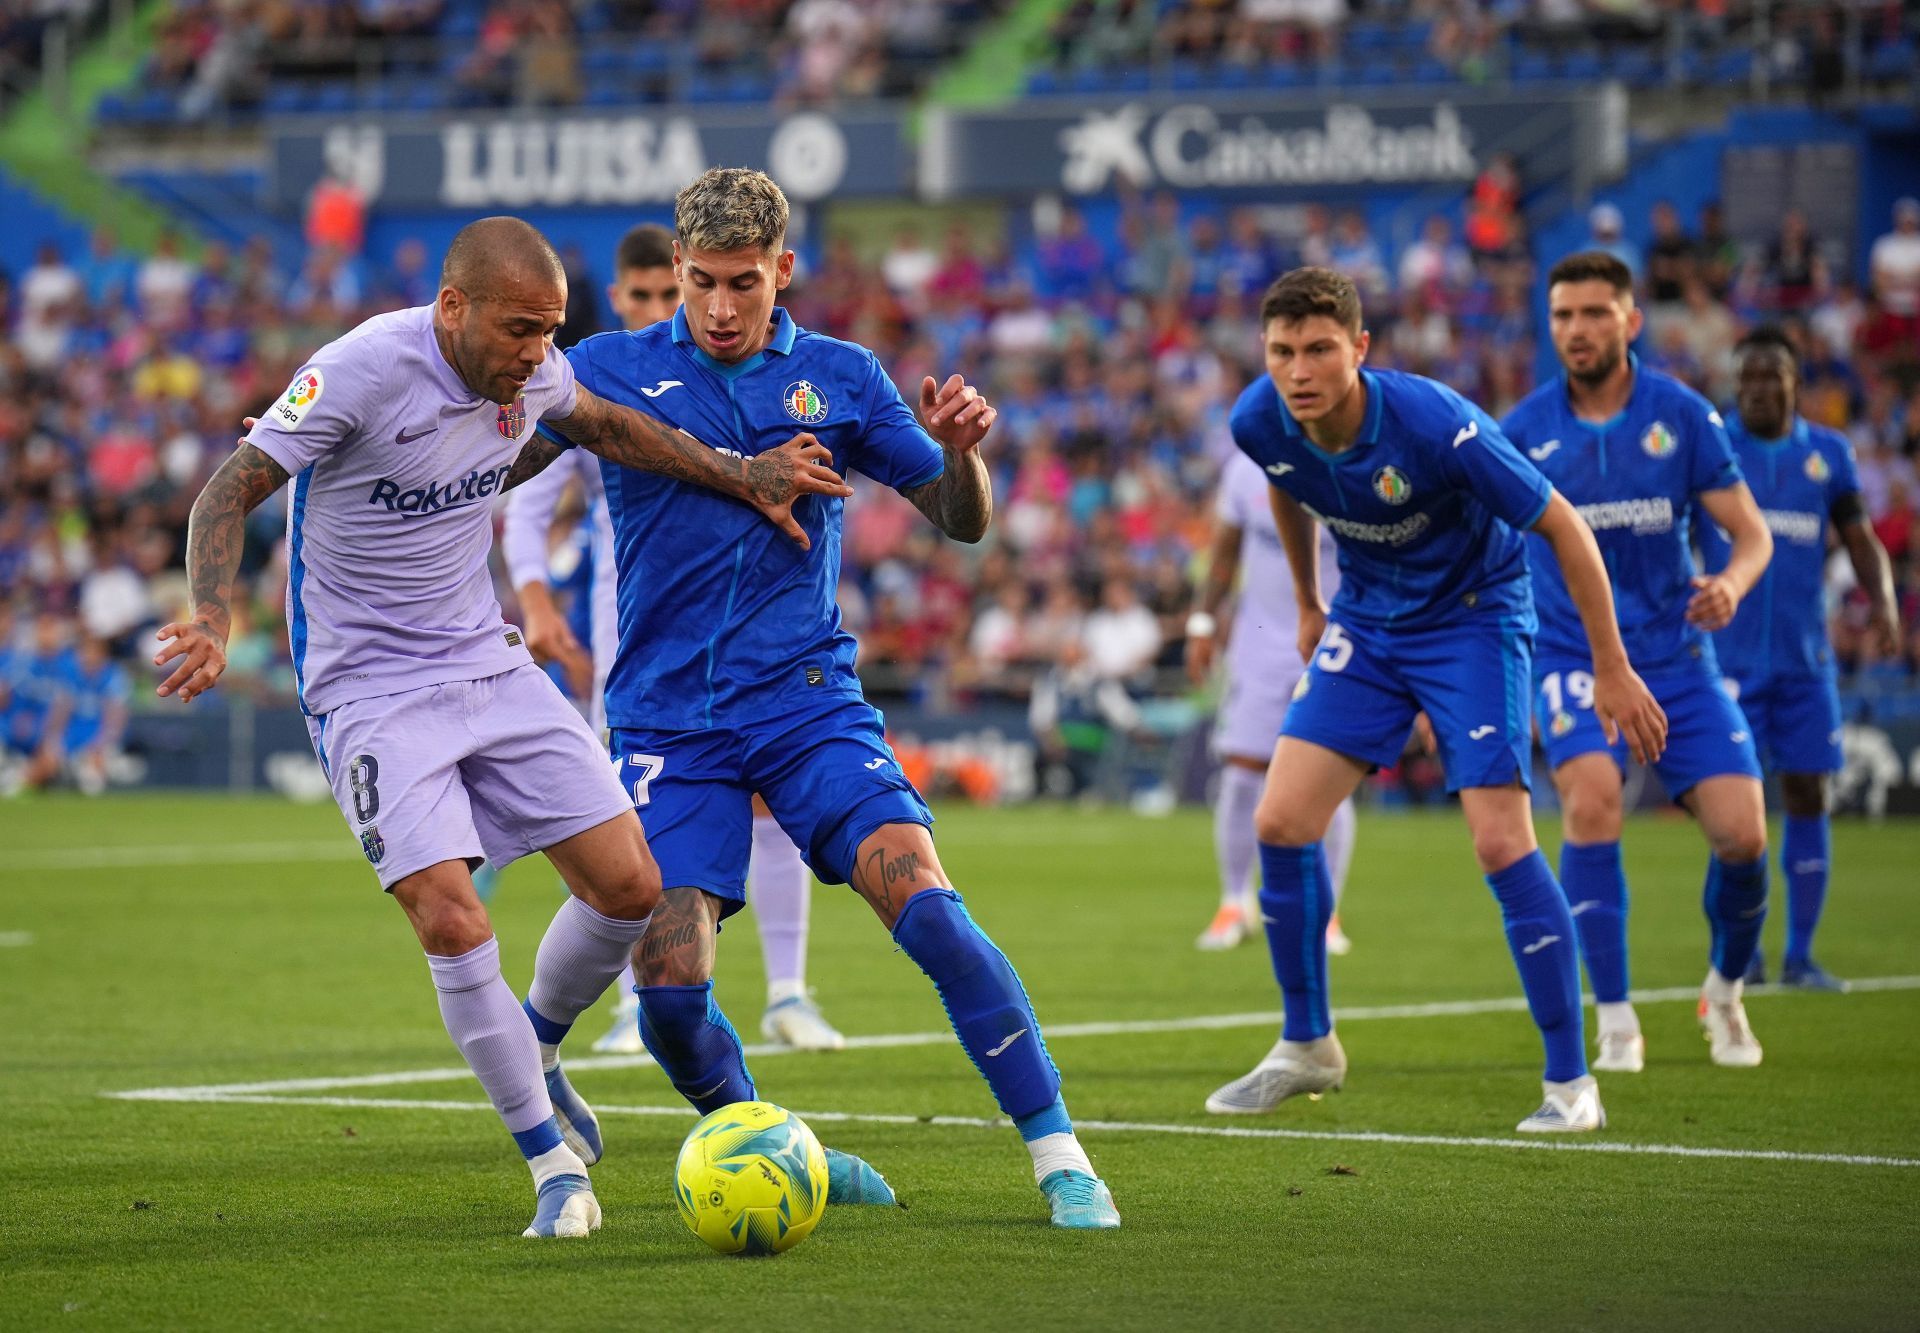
x=1140, y=1127
x=1054, y=1032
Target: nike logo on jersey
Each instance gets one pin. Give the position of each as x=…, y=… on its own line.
x=661, y=388
x=404, y=438
x=1279, y=469
x=1584, y=905
x=1545, y=451
x=1467, y=432
x=1539, y=944
x=1480, y=733
x=993, y=1051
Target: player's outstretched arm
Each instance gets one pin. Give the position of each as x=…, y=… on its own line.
x=1872, y=568
x=216, y=532
x=959, y=501
x=1717, y=596
x=1302, y=545
x=771, y=482
x=1620, y=697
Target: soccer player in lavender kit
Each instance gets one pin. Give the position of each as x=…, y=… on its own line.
x=644, y=291
x=1426, y=500
x=737, y=677
x=1775, y=653
x=444, y=743
x=1640, y=453
x=1262, y=671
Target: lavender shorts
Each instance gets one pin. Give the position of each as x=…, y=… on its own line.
x=473, y=769
x=1252, y=708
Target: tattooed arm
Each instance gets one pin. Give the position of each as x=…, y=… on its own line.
x=960, y=500
x=771, y=482
x=216, y=531
x=535, y=454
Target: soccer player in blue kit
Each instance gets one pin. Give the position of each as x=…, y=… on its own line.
x=1637, y=451
x=1775, y=653
x=734, y=675
x=1425, y=499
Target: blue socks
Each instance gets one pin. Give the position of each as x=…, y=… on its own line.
x=986, y=1004
x=1804, y=853
x=1540, y=932
x=1735, y=901
x=1296, y=898
x=1596, y=885
x=695, y=1044
x=541, y=1139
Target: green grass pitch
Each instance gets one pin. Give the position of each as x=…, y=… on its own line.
x=168, y=943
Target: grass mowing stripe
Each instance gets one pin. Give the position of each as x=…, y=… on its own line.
x=884, y=1041
x=683, y=1112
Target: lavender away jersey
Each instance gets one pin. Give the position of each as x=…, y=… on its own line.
x=1266, y=618
x=1781, y=626
x=723, y=620
x=1634, y=480
x=389, y=522
x=1424, y=505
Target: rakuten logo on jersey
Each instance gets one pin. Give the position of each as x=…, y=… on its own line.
x=456, y=494
x=1644, y=517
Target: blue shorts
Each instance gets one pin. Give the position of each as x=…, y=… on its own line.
x=1707, y=737
x=1363, y=687
x=1795, y=721
x=828, y=776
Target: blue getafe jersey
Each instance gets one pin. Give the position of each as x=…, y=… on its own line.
x=1634, y=480
x=92, y=693
x=723, y=620
x=1423, y=507
x=1781, y=626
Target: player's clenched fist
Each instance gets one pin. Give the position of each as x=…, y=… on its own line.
x=205, y=654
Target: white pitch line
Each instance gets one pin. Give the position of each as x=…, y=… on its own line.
x=181, y=854
x=889, y=1041
x=15, y=939
x=1141, y=1127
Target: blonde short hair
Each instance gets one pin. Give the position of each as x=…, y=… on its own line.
x=731, y=208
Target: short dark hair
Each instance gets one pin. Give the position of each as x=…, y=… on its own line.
x=1768, y=337
x=1306, y=292
x=485, y=253
x=648, y=245
x=1592, y=266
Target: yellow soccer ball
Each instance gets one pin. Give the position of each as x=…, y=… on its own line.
x=751, y=1179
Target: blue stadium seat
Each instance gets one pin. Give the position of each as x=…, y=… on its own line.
x=1733, y=66
x=1532, y=67
x=609, y=92
x=1376, y=72
x=1186, y=76
x=111, y=109
x=1233, y=78
x=1429, y=72
x=749, y=86
x=601, y=59
x=288, y=99
x=1891, y=61
x=1636, y=67
x=1283, y=75
x=1366, y=38
x=332, y=99
x=1133, y=79
x=428, y=95
x=1583, y=67
x=154, y=107
x=1043, y=82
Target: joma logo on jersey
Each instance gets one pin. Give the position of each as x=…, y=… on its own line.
x=805, y=404
x=1659, y=441
x=1391, y=485
x=462, y=491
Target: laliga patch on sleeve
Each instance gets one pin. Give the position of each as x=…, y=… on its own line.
x=300, y=396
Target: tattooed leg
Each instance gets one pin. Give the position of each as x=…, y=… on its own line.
x=682, y=1026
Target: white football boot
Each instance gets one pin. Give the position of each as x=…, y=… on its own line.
x=1289, y=1069
x=623, y=1038
x=1226, y=931
x=1621, y=1053
x=1730, y=1040
x=797, y=1022
x=1567, y=1108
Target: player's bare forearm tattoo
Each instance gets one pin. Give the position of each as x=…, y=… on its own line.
x=534, y=457
x=621, y=435
x=677, y=949
x=959, y=501
x=216, y=531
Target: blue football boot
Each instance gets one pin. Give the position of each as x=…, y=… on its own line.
x=1809, y=975
x=565, y=1208
x=578, y=1125
x=1080, y=1202
x=850, y=1180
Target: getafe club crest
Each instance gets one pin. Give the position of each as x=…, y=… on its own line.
x=513, y=418
x=1659, y=441
x=1391, y=485
x=373, y=845
x=1562, y=723
x=1817, y=469
x=805, y=404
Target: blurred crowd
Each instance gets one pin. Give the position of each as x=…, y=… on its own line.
x=1113, y=359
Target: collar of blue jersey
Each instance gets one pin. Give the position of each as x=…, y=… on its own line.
x=780, y=344
x=1566, y=394
x=1797, y=435
x=1369, y=427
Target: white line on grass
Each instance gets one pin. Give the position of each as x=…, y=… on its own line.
x=683, y=1112
x=887, y=1041
x=15, y=939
